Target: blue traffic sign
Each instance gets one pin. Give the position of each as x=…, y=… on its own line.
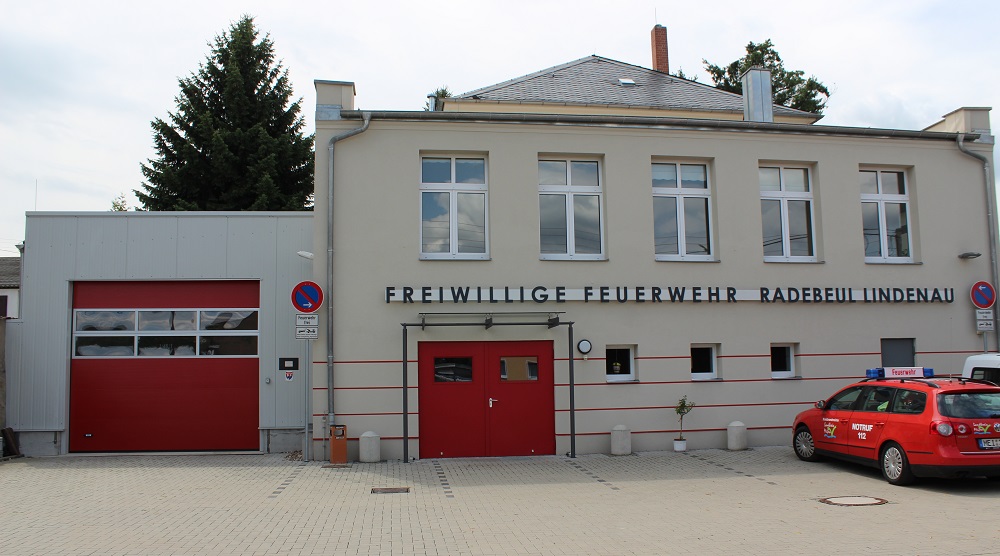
x=983, y=295
x=307, y=297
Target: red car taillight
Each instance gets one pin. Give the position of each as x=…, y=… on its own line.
x=943, y=428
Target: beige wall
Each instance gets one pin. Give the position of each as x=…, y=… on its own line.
x=377, y=235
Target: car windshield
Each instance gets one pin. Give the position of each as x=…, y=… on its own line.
x=970, y=405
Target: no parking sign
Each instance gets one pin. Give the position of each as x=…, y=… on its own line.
x=983, y=295
x=307, y=297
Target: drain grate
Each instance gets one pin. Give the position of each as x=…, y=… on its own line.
x=854, y=501
x=390, y=490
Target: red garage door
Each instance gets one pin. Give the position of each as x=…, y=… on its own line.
x=164, y=366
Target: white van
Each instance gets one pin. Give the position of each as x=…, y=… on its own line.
x=985, y=366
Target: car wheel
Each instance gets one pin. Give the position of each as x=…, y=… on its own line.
x=805, y=447
x=895, y=466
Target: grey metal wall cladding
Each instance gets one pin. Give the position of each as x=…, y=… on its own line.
x=61, y=248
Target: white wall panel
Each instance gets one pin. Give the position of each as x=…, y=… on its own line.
x=100, y=248
x=152, y=248
x=201, y=247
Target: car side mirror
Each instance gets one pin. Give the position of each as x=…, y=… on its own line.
x=821, y=404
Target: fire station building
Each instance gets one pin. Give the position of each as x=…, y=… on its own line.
x=517, y=272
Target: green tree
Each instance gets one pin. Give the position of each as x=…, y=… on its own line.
x=790, y=88
x=440, y=93
x=235, y=141
x=119, y=203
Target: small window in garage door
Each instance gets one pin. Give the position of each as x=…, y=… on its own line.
x=165, y=333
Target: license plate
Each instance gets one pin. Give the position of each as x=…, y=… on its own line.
x=989, y=443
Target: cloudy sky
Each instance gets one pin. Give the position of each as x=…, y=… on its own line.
x=80, y=81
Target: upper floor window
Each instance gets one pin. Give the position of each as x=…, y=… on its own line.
x=885, y=203
x=570, y=209
x=681, y=213
x=786, y=210
x=453, y=223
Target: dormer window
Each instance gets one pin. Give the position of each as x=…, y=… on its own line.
x=626, y=82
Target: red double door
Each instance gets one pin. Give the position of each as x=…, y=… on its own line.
x=486, y=399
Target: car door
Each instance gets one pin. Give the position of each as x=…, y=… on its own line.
x=831, y=433
x=869, y=419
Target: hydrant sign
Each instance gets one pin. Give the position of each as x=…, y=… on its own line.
x=307, y=297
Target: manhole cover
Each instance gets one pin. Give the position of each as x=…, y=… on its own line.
x=854, y=501
x=391, y=490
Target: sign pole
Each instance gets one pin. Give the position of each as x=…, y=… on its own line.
x=306, y=379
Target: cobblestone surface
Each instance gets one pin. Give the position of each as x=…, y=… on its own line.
x=707, y=502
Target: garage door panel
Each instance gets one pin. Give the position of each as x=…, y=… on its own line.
x=165, y=404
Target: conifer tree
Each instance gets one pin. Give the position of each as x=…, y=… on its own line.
x=235, y=141
x=790, y=87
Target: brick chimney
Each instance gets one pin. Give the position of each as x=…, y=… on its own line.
x=658, y=37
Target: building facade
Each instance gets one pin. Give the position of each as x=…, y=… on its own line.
x=515, y=276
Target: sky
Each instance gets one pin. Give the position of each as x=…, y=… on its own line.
x=80, y=82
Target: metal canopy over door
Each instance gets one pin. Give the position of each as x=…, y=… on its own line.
x=486, y=399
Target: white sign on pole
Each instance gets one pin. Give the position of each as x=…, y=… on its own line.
x=984, y=314
x=984, y=325
x=306, y=333
x=306, y=320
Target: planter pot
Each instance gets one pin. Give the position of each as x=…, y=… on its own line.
x=680, y=445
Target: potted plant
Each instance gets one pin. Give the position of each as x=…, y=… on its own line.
x=682, y=408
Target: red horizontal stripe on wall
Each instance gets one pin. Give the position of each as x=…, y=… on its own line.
x=183, y=294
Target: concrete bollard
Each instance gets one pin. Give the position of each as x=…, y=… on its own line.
x=621, y=441
x=369, y=447
x=737, y=436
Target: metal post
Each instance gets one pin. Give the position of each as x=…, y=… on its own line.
x=572, y=397
x=406, y=405
x=306, y=368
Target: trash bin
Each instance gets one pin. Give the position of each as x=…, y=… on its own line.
x=338, y=444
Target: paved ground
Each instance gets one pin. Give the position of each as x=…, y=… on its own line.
x=762, y=501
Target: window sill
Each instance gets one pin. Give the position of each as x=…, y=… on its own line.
x=892, y=262
x=424, y=257
x=792, y=261
x=623, y=381
x=786, y=378
x=706, y=379
x=673, y=259
x=572, y=258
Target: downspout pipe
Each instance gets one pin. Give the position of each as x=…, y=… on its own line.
x=367, y=117
x=991, y=204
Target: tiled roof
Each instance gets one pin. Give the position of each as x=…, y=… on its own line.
x=595, y=80
x=10, y=272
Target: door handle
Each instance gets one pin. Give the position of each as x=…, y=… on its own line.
x=491, y=401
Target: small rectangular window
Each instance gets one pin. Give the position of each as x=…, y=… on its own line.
x=518, y=369
x=703, y=362
x=782, y=360
x=452, y=369
x=620, y=363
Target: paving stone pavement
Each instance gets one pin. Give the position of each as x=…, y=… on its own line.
x=706, y=502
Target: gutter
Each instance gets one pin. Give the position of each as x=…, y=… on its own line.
x=991, y=202
x=656, y=123
x=367, y=117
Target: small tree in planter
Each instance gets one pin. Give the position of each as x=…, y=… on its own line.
x=682, y=408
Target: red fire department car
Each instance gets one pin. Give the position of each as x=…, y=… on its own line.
x=907, y=423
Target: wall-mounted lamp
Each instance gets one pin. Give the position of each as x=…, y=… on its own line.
x=584, y=347
x=305, y=255
x=970, y=255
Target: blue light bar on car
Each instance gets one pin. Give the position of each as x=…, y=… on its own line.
x=900, y=372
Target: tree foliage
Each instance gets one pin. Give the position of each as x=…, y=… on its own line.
x=440, y=93
x=119, y=203
x=235, y=141
x=789, y=87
